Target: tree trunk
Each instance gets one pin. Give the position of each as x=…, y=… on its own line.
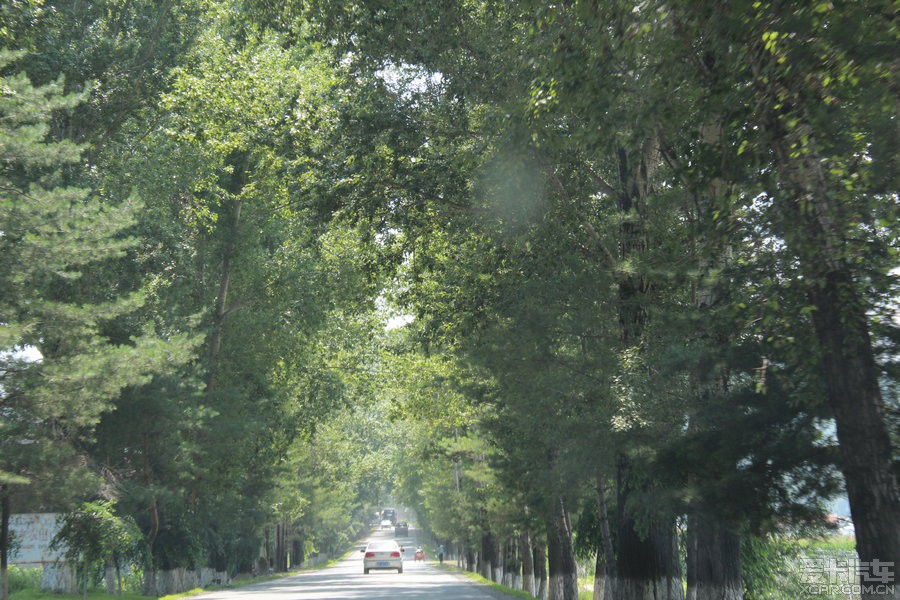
x=848, y=361
x=486, y=558
x=510, y=564
x=527, y=554
x=149, y=584
x=855, y=397
x=601, y=578
x=540, y=570
x=713, y=550
x=84, y=579
x=118, y=576
x=647, y=567
x=605, y=571
x=281, y=551
x=713, y=561
x=471, y=562
x=563, y=569
x=501, y=573
x=149, y=575
x=4, y=541
x=109, y=578
x=221, y=308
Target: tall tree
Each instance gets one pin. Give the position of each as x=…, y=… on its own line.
x=811, y=96
x=123, y=51
x=52, y=234
x=618, y=103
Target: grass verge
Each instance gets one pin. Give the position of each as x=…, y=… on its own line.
x=846, y=543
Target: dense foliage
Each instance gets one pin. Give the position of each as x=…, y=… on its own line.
x=599, y=279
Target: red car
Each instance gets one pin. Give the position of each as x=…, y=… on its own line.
x=420, y=554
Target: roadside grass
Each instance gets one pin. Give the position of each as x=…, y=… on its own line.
x=830, y=543
x=23, y=579
x=186, y=594
x=586, y=591
x=586, y=587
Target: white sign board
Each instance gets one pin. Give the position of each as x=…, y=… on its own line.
x=33, y=534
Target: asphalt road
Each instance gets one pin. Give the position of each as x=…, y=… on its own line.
x=345, y=580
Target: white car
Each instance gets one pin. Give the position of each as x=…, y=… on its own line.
x=386, y=524
x=382, y=554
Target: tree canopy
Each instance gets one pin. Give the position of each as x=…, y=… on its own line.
x=608, y=279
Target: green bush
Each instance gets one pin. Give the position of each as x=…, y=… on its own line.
x=93, y=536
x=23, y=579
x=132, y=580
x=778, y=567
x=767, y=568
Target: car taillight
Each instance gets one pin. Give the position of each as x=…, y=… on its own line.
x=370, y=555
x=395, y=555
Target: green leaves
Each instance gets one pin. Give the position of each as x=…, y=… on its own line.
x=56, y=240
x=93, y=535
x=52, y=235
x=605, y=221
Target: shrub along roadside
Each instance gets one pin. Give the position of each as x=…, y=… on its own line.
x=23, y=579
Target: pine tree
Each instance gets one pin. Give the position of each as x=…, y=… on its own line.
x=58, y=372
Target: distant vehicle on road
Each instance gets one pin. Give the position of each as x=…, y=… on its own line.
x=386, y=524
x=390, y=514
x=383, y=554
x=401, y=528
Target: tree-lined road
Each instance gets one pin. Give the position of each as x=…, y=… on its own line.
x=269, y=267
x=345, y=581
